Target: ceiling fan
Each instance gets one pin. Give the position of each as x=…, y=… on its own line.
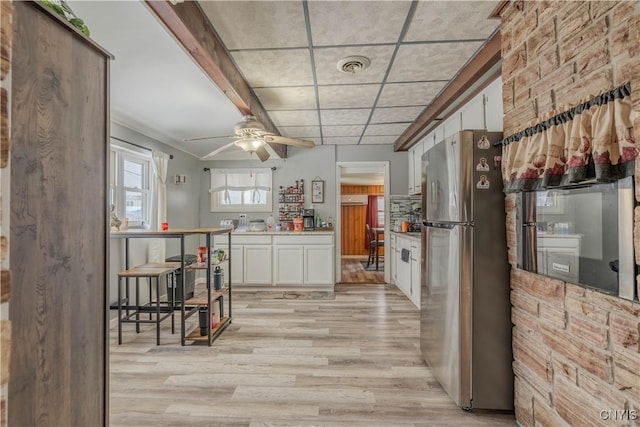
x=251, y=136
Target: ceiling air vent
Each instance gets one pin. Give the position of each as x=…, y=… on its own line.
x=353, y=64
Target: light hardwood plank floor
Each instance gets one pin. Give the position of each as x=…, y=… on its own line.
x=354, y=272
x=345, y=359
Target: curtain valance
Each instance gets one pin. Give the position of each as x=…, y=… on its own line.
x=593, y=140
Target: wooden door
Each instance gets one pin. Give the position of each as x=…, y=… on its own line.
x=59, y=240
x=352, y=229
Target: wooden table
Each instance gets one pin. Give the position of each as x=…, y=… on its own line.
x=378, y=231
x=181, y=233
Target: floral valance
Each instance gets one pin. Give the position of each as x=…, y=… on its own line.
x=593, y=140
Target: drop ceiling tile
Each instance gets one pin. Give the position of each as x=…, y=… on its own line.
x=257, y=24
x=265, y=68
x=326, y=60
x=294, y=118
x=395, y=114
x=357, y=116
x=386, y=129
x=356, y=22
x=432, y=61
x=409, y=94
x=340, y=140
x=300, y=131
x=347, y=96
x=378, y=139
x=287, y=98
x=435, y=20
x=353, y=130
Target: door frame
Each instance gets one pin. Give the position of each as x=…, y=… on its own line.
x=365, y=166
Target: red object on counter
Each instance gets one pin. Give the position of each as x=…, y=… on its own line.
x=297, y=224
x=165, y=226
x=405, y=226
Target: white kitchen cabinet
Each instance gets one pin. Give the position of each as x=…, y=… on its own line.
x=247, y=250
x=257, y=264
x=452, y=125
x=288, y=262
x=493, y=106
x=417, y=167
x=473, y=113
x=415, y=274
x=236, y=256
x=408, y=273
x=410, y=164
x=559, y=256
x=318, y=265
x=313, y=256
x=392, y=259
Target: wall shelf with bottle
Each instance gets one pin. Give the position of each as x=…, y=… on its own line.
x=291, y=201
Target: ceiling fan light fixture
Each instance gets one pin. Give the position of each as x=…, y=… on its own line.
x=353, y=64
x=250, y=145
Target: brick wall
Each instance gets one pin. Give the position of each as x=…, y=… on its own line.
x=576, y=351
x=5, y=285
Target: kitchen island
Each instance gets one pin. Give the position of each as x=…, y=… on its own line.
x=287, y=259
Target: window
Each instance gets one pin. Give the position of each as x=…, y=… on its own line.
x=380, y=211
x=241, y=190
x=130, y=186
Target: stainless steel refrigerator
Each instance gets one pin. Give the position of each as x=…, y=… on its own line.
x=465, y=326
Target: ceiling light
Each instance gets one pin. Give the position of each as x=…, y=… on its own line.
x=250, y=145
x=353, y=64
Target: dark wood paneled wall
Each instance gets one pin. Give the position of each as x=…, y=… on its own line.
x=377, y=190
x=58, y=224
x=352, y=229
x=354, y=218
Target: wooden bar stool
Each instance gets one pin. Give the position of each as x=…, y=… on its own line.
x=151, y=307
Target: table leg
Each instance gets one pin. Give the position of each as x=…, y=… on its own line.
x=157, y=310
x=120, y=310
x=377, y=249
x=137, y=304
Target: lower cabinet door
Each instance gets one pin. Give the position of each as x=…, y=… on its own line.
x=318, y=261
x=236, y=256
x=415, y=276
x=288, y=261
x=257, y=265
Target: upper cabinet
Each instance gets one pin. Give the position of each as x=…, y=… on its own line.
x=473, y=114
x=483, y=111
x=493, y=105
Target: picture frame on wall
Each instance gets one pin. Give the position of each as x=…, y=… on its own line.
x=317, y=191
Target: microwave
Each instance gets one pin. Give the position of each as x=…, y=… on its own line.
x=581, y=234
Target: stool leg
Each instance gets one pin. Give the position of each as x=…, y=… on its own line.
x=138, y=304
x=173, y=303
x=120, y=311
x=157, y=310
x=151, y=296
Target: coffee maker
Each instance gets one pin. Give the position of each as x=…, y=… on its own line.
x=308, y=219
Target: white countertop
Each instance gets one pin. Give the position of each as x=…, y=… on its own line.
x=282, y=233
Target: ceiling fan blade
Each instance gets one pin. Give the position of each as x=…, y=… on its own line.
x=262, y=153
x=219, y=150
x=289, y=141
x=202, y=138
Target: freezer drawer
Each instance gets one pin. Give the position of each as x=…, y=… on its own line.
x=445, y=325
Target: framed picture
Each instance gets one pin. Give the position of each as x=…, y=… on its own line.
x=317, y=191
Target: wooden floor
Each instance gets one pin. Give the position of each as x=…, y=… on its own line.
x=323, y=359
x=354, y=272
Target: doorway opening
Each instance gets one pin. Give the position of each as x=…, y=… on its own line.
x=363, y=206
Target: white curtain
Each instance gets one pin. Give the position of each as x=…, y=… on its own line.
x=156, y=251
x=160, y=167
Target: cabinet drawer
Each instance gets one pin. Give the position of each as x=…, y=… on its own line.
x=306, y=239
x=241, y=239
